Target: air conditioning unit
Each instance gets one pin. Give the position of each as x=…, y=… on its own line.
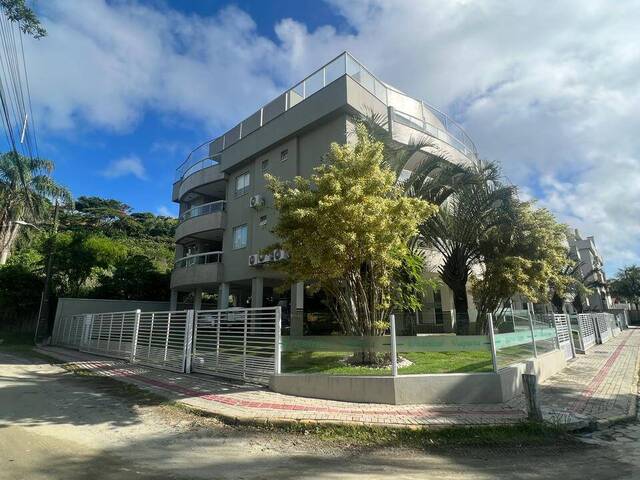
x=264, y=258
x=257, y=201
x=278, y=255
x=253, y=260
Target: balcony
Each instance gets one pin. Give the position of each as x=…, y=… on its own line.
x=199, y=269
x=204, y=209
x=430, y=120
x=200, y=219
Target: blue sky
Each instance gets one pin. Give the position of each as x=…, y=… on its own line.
x=122, y=90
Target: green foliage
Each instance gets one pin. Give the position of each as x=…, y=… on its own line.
x=409, y=283
x=626, y=284
x=17, y=11
x=26, y=192
x=346, y=229
x=475, y=210
x=114, y=219
x=134, y=277
x=79, y=256
x=526, y=255
x=20, y=289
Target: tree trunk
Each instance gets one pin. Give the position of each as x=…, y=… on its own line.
x=8, y=237
x=462, y=310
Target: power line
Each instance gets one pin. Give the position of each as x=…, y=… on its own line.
x=17, y=111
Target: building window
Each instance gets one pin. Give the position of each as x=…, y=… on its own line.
x=242, y=183
x=265, y=164
x=284, y=155
x=263, y=220
x=240, y=237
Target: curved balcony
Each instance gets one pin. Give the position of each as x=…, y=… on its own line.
x=199, y=269
x=206, y=180
x=201, y=218
x=438, y=124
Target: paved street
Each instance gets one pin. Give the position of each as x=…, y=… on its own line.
x=56, y=425
x=598, y=386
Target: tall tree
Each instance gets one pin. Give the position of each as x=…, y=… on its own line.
x=346, y=230
x=470, y=214
x=26, y=202
x=526, y=255
x=626, y=284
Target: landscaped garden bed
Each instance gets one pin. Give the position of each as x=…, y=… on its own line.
x=333, y=363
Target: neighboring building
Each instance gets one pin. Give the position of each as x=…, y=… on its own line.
x=584, y=251
x=226, y=212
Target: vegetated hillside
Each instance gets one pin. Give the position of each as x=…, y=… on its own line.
x=102, y=249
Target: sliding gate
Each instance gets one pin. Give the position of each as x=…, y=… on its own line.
x=163, y=340
x=241, y=344
x=109, y=334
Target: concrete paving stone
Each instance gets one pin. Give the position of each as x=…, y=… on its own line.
x=601, y=384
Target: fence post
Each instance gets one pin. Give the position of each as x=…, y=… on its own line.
x=134, y=340
x=188, y=340
x=87, y=327
x=394, y=356
x=277, y=361
x=530, y=386
x=533, y=332
x=166, y=340
x=573, y=346
x=244, y=346
x=492, y=340
x=218, y=339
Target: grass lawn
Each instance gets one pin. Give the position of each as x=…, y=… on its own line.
x=423, y=362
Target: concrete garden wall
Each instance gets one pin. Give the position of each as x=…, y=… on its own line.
x=442, y=388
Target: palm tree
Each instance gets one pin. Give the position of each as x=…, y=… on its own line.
x=421, y=169
x=457, y=232
x=26, y=192
x=471, y=198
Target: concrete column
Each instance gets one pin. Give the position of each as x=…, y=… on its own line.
x=257, y=292
x=173, y=301
x=197, y=299
x=223, y=296
x=297, y=309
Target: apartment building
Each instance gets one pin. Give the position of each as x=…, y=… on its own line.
x=584, y=251
x=226, y=211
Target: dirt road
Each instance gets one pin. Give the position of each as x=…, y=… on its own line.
x=57, y=425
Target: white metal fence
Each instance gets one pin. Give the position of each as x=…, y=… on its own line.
x=163, y=339
x=67, y=331
x=603, y=330
x=109, y=334
x=586, y=332
x=241, y=344
x=563, y=332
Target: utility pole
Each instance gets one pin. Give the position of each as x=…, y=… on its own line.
x=43, y=311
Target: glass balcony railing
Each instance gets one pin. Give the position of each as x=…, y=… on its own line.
x=406, y=110
x=199, y=259
x=198, y=159
x=204, y=209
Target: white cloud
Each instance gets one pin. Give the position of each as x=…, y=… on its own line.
x=550, y=92
x=130, y=165
x=165, y=211
x=107, y=63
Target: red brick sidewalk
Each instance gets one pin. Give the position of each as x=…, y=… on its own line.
x=601, y=385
